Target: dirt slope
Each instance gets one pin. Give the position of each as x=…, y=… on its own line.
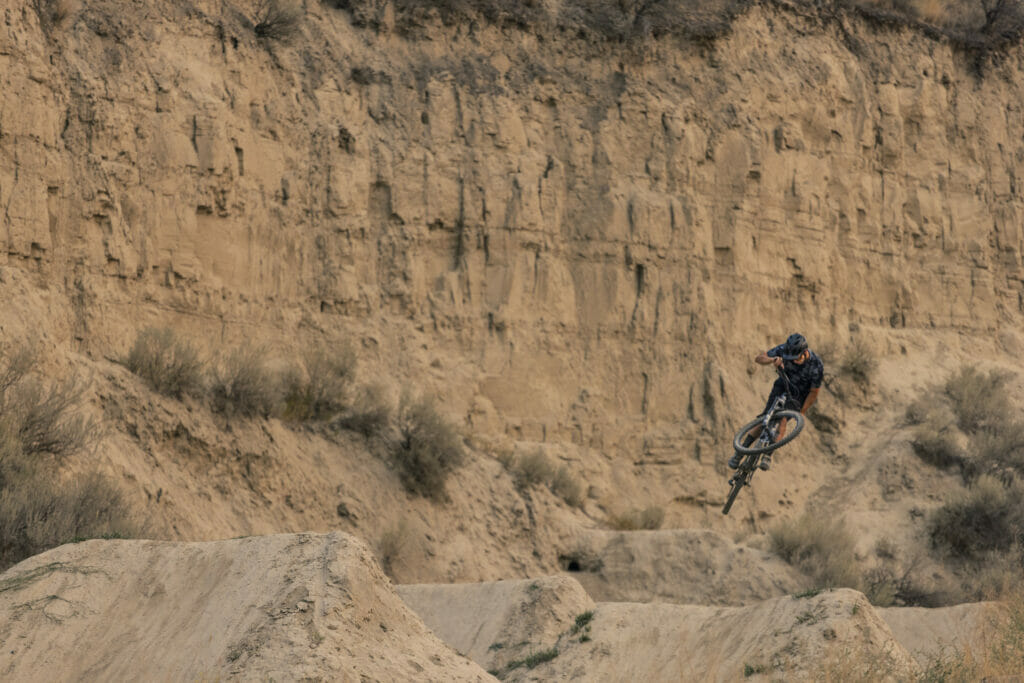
x=836, y=632
x=283, y=607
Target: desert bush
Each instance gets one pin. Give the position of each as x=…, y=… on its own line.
x=370, y=412
x=38, y=427
x=1000, y=447
x=649, y=518
x=321, y=389
x=858, y=362
x=429, y=448
x=937, y=445
x=1001, y=656
x=37, y=513
x=52, y=13
x=243, y=384
x=979, y=400
x=532, y=469
x=820, y=547
x=392, y=543
x=169, y=365
x=277, y=19
x=989, y=516
x=566, y=487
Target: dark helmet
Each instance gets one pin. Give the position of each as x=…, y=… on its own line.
x=795, y=345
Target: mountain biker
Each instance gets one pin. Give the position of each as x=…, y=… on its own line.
x=804, y=370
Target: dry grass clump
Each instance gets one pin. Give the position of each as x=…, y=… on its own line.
x=169, y=365
x=819, y=547
x=320, y=390
x=244, y=384
x=649, y=518
x=532, y=469
x=277, y=19
x=39, y=427
x=1000, y=659
x=566, y=487
x=428, y=449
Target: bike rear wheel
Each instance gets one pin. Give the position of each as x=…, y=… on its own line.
x=736, y=486
x=794, y=429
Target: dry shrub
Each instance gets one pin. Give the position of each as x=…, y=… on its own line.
x=38, y=427
x=37, y=513
x=821, y=548
x=936, y=444
x=532, y=469
x=243, y=384
x=277, y=19
x=169, y=365
x=429, y=448
x=321, y=389
x=649, y=518
x=1000, y=447
x=392, y=543
x=989, y=516
x=979, y=400
x=370, y=413
x=1001, y=658
x=566, y=487
x=858, y=362
x=52, y=13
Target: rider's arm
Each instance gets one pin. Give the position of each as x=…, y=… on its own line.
x=809, y=401
x=764, y=359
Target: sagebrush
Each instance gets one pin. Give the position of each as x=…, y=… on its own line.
x=821, y=548
x=428, y=449
x=170, y=365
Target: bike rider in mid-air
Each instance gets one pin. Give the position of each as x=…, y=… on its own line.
x=804, y=370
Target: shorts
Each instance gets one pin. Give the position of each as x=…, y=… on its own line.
x=791, y=403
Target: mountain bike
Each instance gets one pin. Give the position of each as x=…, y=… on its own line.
x=759, y=437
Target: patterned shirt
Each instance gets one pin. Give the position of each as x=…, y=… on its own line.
x=803, y=377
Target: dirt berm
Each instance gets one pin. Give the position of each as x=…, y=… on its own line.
x=285, y=607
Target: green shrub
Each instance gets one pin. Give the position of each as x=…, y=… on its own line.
x=989, y=516
x=170, y=366
x=370, y=414
x=820, y=547
x=429, y=448
x=243, y=384
x=321, y=389
x=277, y=19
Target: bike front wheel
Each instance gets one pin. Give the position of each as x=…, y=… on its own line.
x=794, y=429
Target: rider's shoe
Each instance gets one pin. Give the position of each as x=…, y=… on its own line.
x=734, y=461
x=766, y=461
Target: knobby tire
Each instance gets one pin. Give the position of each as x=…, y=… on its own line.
x=791, y=433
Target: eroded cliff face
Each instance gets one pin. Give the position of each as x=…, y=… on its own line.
x=572, y=244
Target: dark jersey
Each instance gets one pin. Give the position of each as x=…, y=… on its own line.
x=802, y=378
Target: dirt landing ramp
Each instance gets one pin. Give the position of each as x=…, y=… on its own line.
x=287, y=607
x=689, y=566
x=500, y=622
x=930, y=632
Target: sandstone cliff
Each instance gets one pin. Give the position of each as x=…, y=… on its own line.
x=575, y=244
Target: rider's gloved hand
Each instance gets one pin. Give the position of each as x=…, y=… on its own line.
x=778, y=362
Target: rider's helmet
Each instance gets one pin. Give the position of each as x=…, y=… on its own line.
x=795, y=345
